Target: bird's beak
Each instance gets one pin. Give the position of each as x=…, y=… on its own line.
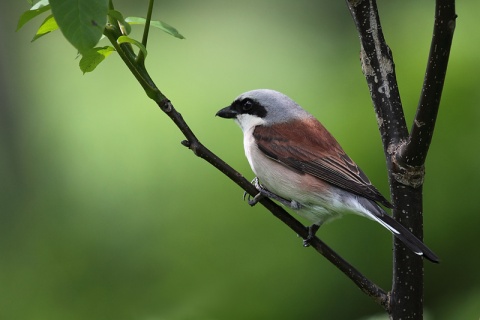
x=227, y=113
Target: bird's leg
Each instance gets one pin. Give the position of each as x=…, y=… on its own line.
x=311, y=234
x=259, y=195
x=292, y=204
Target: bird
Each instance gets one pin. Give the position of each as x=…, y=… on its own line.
x=300, y=164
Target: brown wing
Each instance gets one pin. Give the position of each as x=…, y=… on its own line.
x=308, y=148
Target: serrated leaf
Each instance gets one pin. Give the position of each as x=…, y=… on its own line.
x=47, y=26
x=30, y=14
x=93, y=57
x=125, y=39
x=157, y=24
x=81, y=21
x=117, y=15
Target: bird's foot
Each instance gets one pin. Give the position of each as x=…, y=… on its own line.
x=257, y=198
x=311, y=234
x=292, y=204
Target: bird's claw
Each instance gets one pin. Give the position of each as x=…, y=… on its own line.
x=311, y=234
x=255, y=199
x=259, y=195
x=292, y=204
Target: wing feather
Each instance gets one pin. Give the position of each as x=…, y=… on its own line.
x=308, y=148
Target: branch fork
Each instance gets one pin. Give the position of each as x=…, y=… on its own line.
x=405, y=152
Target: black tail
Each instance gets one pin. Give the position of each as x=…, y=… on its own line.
x=412, y=242
x=399, y=231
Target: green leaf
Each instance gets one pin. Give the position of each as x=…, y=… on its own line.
x=81, y=21
x=48, y=25
x=125, y=39
x=39, y=4
x=93, y=57
x=117, y=15
x=32, y=13
x=157, y=24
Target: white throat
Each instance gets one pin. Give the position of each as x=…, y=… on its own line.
x=247, y=121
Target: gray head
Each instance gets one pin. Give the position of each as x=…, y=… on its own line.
x=263, y=106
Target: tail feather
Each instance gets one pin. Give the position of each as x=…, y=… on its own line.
x=409, y=239
x=398, y=230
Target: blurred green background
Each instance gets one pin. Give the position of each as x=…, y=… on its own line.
x=104, y=215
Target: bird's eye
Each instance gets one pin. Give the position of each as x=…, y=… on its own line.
x=247, y=105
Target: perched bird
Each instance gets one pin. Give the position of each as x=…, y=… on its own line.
x=300, y=164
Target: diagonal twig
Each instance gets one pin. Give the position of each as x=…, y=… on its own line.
x=192, y=142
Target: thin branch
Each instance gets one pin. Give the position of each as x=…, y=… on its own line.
x=128, y=56
x=367, y=286
x=147, y=23
x=201, y=151
x=415, y=151
x=141, y=55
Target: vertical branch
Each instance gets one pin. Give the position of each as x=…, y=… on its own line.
x=415, y=151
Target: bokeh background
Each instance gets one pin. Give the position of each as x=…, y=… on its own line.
x=104, y=215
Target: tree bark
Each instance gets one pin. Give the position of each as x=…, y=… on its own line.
x=405, y=153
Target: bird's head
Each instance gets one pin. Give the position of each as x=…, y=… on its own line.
x=262, y=107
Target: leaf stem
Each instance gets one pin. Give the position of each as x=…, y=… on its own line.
x=128, y=56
